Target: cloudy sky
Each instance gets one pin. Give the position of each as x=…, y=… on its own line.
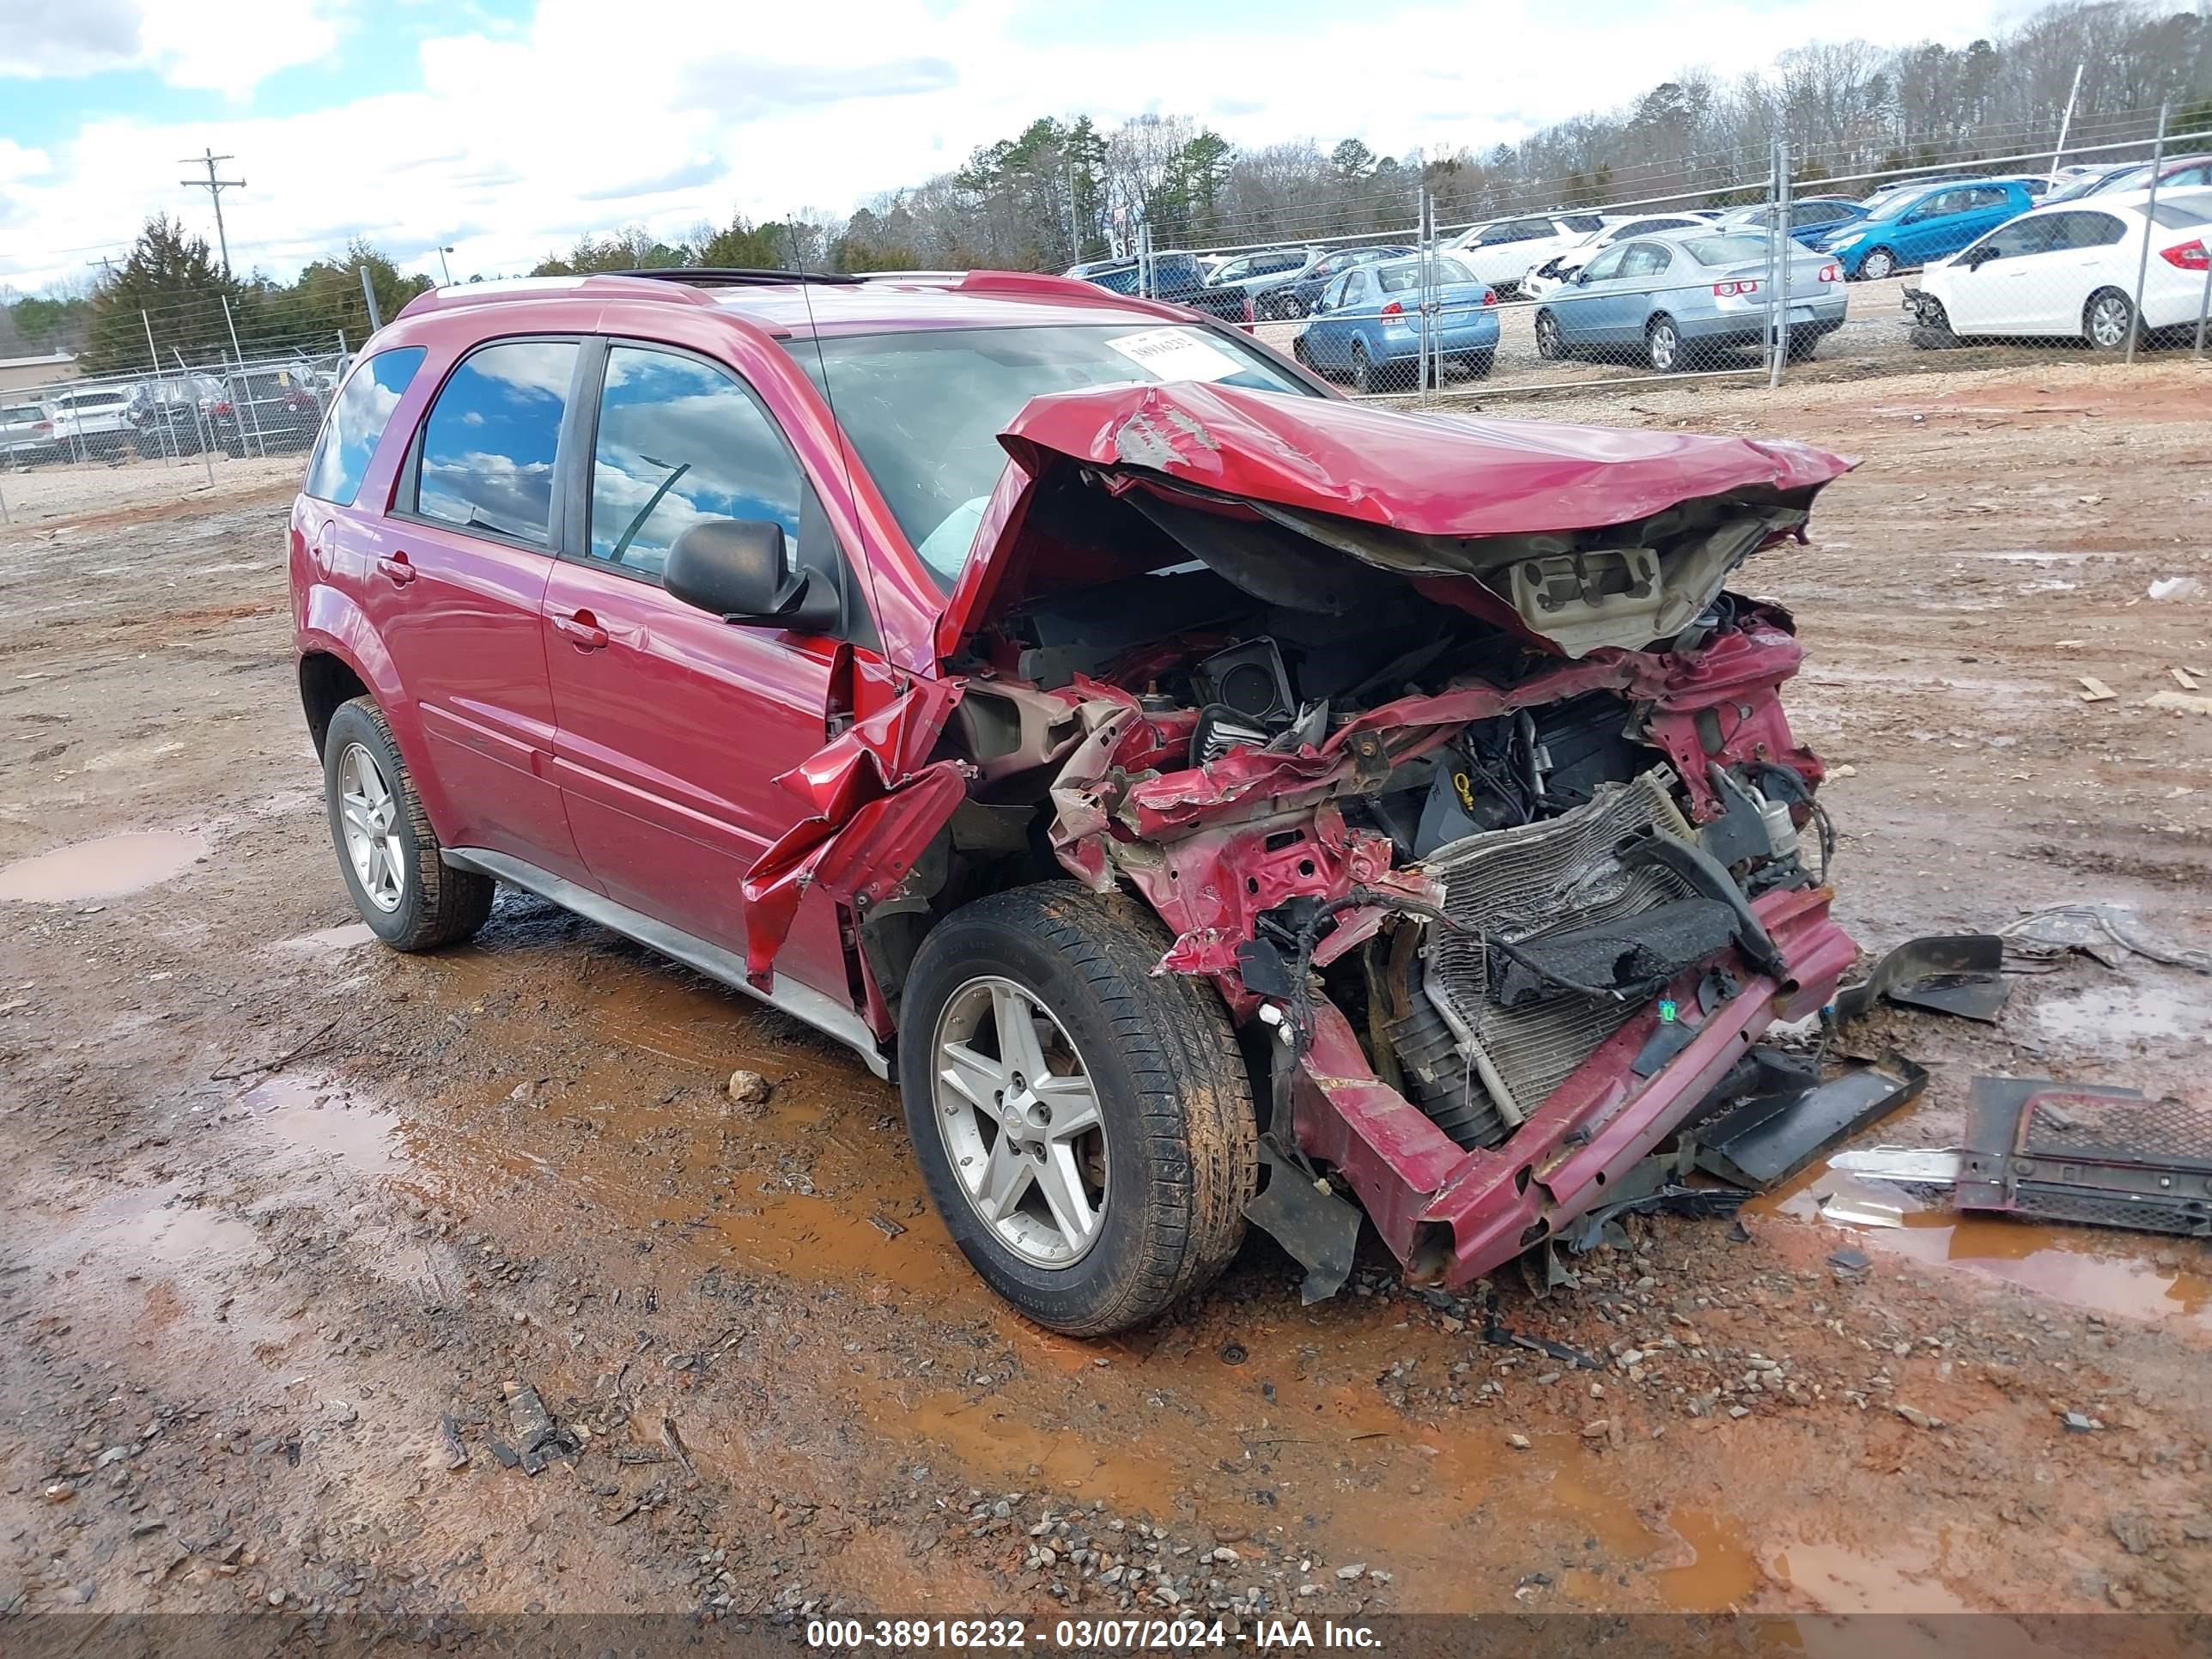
x=506, y=127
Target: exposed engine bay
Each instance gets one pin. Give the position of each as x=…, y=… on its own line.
x=1492, y=837
x=1570, y=884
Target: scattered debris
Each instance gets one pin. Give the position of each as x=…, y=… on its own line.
x=2094, y=690
x=1918, y=1418
x=2058, y=1152
x=884, y=1225
x=2081, y=1422
x=456, y=1455
x=2105, y=932
x=1784, y=1116
x=1948, y=972
x=1861, y=1213
x=2174, y=588
x=540, y=1439
x=674, y=1442
x=1851, y=1261
x=2184, y=679
x=750, y=1088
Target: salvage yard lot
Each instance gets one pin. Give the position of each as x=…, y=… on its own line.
x=292, y=1217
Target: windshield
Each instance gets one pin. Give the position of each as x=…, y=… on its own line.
x=1894, y=206
x=924, y=408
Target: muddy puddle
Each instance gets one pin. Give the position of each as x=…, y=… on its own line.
x=2097, y=1270
x=2114, y=1018
x=106, y=868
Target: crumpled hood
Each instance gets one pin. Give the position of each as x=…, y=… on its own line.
x=1426, y=475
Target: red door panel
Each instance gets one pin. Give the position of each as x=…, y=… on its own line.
x=461, y=618
x=672, y=727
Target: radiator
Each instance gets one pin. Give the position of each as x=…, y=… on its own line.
x=1521, y=883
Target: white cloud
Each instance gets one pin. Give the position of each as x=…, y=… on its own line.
x=221, y=45
x=521, y=138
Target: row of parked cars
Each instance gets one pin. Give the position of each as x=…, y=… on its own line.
x=2022, y=256
x=263, y=410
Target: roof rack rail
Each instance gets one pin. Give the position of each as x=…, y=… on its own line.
x=735, y=275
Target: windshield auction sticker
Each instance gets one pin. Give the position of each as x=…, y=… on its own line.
x=1175, y=354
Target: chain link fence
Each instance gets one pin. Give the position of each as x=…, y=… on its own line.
x=192, y=404
x=2097, y=249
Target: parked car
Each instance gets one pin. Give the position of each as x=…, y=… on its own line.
x=173, y=415
x=1812, y=218
x=1544, y=279
x=1099, y=725
x=1367, y=324
x=1263, y=280
x=1674, y=300
x=1296, y=297
x=1176, y=277
x=1890, y=192
x=2175, y=173
x=2068, y=271
x=90, y=422
x=1502, y=251
x=26, y=434
x=266, y=412
x=1914, y=227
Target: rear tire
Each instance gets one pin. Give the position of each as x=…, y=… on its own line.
x=1478, y=364
x=1804, y=342
x=2108, y=319
x=1177, y=1157
x=1662, y=344
x=406, y=894
x=1363, y=376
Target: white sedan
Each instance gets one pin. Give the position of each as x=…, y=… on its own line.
x=1547, y=276
x=2069, y=272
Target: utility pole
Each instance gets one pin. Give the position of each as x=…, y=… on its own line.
x=444, y=267
x=214, y=188
x=107, y=263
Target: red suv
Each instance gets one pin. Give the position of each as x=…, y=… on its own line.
x=1210, y=798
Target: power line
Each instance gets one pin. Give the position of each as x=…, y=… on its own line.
x=214, y=188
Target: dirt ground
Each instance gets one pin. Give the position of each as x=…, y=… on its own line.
x=294, y=1221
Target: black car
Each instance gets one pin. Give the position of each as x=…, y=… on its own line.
x=266, y=412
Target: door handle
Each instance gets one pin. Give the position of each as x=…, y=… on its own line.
x=583, y=630
x=398, y=569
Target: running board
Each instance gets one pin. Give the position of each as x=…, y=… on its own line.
x=809, y=1007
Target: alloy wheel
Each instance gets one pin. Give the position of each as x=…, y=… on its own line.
x=1665, y=344
x=368, y=809
x=1547, y=335
x=2108, y=316
x=1019, y=1115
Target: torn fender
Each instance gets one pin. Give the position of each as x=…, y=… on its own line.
x=873, y=799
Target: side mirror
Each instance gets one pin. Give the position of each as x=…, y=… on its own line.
x=739, y=570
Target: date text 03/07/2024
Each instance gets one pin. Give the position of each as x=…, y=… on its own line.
x=1084, y=1635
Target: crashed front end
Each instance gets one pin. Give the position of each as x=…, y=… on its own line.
x=1443, y=749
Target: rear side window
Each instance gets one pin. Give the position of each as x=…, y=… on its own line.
x=357, y=424
x=679, y=443
x=488, y=446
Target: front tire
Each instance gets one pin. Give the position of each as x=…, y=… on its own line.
x=1549, y=346
x=387, y=852
x=1877, y=265
x=1085, y=1126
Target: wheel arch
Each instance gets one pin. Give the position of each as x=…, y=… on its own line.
x=339, y=649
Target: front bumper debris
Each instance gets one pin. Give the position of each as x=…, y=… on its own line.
x=1452, y=1216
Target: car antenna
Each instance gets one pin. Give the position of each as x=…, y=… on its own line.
x=822, y=373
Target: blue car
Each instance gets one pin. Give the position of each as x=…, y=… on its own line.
x=1367, y=324
x=1676, y=299
x=1917, y=228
